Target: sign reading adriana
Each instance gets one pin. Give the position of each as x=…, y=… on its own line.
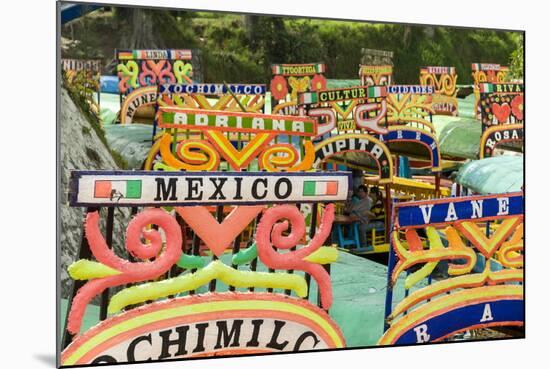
x=219, y=324
x=147, y=188
x=171, y=117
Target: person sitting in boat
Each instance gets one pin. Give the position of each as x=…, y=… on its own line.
x=361, y=209
x=377, y=202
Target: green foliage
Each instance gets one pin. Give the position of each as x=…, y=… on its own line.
x=238, y=48
x=516, y=60
x=83, y=104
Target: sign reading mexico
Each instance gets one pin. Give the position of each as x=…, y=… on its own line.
x=146, y=188
x=198, y=326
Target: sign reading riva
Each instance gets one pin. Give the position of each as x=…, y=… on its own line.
x=506, y=88
x=420, y=213
x=198, y=326
x=171, y=117
x=147, y=188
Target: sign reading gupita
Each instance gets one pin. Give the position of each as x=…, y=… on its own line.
x=149, y=188
x=174, y=117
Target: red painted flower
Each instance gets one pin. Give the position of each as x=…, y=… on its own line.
x=517, y=107
x=278, y=87
x=318, y=83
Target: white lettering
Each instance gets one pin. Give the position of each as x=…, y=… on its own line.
x=426, y=212
x=298, y=126
x=487, y=314
x=180, y=118
x=377, y=151
x=503, y=206
x=221, y=120
x=477, y=208
x=451, y=213
x=422, y=333
x=201, y=120
x=278, y=124
x=257, y=123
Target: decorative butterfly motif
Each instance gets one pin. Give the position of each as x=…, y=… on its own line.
x=298, y=85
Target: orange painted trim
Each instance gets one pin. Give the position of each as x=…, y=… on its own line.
x=269, y=314
x=197, y=299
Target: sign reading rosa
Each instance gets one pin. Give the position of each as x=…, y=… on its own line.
x=207, y=325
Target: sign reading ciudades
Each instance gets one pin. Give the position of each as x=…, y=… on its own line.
x=410, y=89
x=146, y=188
x=172, y=117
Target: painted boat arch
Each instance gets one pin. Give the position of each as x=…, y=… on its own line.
x=480, y=307
x=215, y=324
x=362, y=143
x=421, y=137
x=497, y=135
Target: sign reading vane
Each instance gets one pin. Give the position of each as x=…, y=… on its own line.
x=146, y=188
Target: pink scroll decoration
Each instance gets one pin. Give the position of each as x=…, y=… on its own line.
x=123, y=83
x=130, y=272
x=165, y=75
x=270, y=234
x=160, y=72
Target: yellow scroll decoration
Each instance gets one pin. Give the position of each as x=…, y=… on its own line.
x=509, y=253
x=488, y=245
x=272, y=160
x=465, y=281
x=215, y=270
x=86, y=269
x=436, y=253
x=410, y=108
x=205, y=159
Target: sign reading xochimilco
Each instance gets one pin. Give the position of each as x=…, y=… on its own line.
x=213, y=96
